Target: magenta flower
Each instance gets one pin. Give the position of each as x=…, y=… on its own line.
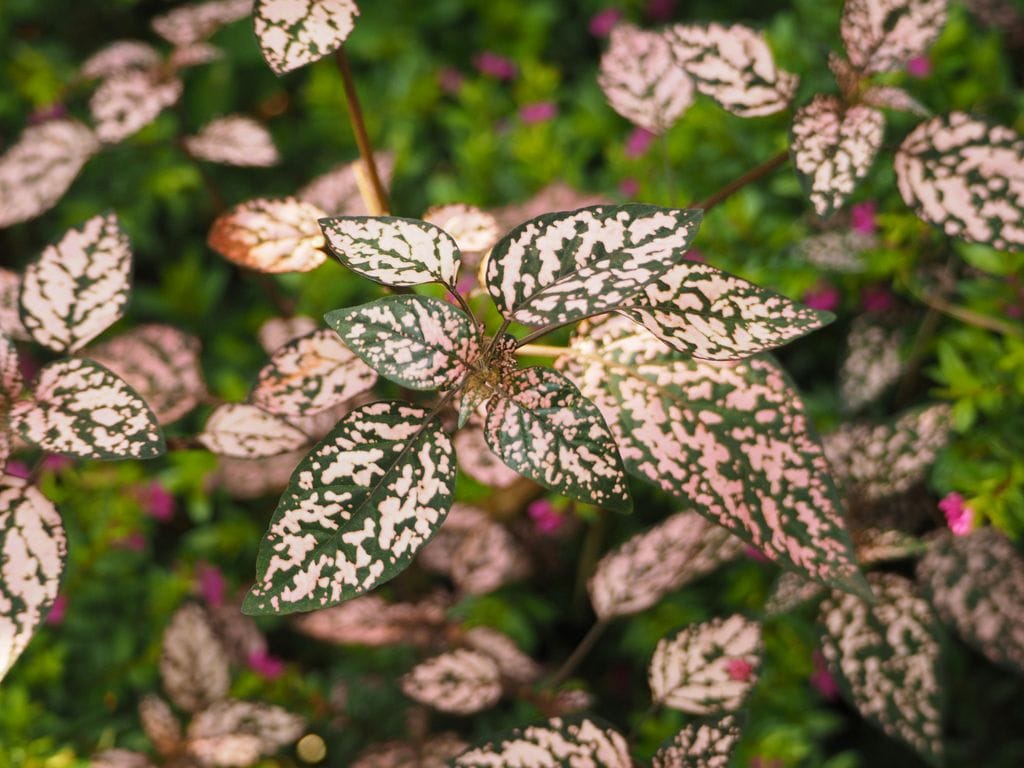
x=919, y=67
x=639, y=142
x=877, y=298
x=546, y=518
x=133, y=542
x=450, y=80
x=756, y=554
x=823, y=296
x=660, y=10
x=739, y=669
x=211, y=583
x=56, y=615
x=695, y=254
x=493, y=65
x=602, y=23
x=54, y=462
x=28, y=367
x=265, y=665
x=822, y=679
x=17, y=468
x=157, y=501
x=538, y=112
x=629, y=187
x=862, y=217
x=959, y=517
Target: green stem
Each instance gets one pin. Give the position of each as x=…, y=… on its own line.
x=576, y=657
x=754, y=174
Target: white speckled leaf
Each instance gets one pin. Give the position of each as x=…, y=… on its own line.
x=393, y=251
x=885, y=657
x=310, y=374
x=234, y=140
x=270, y=236
x=10, y=376
x=543, y=428
x=338, y=190
x=707, y=668
x=890, y=97
x=645, y=568
x=37, y=170
x=10, y=314
x=160, y=724
x=159, y=362
x=976, y=583
x=459, y=682
x=119, y=758
x=474, y=231
x=193, y=664
x=194, y=22
x=872, y=363
x=557, y=196
x=514, y=665
x=701, y=744
x=127, y=102
x=246, y=432
x=33, y=548
x=563, y=266
x=573, y=741
x=478, y=461
x=487, y=558
x=293, y=33
x=882, y=35
x=966, y=177
x=275, y=332
x=357, y=510
x=435, y=752
x=734, y=441
x=713, y=315
x=417, y=341
x=837, y=251
x=734, y=66
x=371, y=620
x=833, y=148
x=81, y=409
x=271, y=727
x=641, y=79
x=120, y=56
x=790, y=591
x=193, y=55
x=78, y=286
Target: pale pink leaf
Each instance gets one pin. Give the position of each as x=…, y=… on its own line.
x=435, y=752
x=879, y=545
x=246, y=432
x=127, y=102
x=193, y=664
x=514, y=665
x=479, y=462
x=118, y=57
x=474, y=231
x=10, y=314
x=193, y=55
x=459, y=682
x=370, y=620
x=270, y=235
x=227, y=750
x=891, y=97
x=272, y=727
x=487, y=558
x=872, y=363
x=10, y=375
x=882, y=35
x=119, y=758
x=837, y=251
x=790, y=591
x=293, y=33
x=234, y=140
x=701, y=744
x=573, y=741
x=462, y=520
x=556, y=196
x=191, y=23
x=339, y=190
x=278, y=331
x=255, y=478
x=160, y=724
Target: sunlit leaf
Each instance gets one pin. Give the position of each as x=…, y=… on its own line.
x=270, y=235
x=879, y=545
x=228, y=750
x=293, y=33
x=458, y=682
x=581, y=741
x=193, y=664
x=33, y=548
x=234, y=140
x=833, y=148
x=160, y=724
x=194, y=22
x=357, y=510
x=36, y=171
x=417, y=341
x=127, y=102
x=967, y=177
x=371, y=620
x=642, y=80
x=872, y=363
x=734, y=66
x=563, y=266
x=701, y=744
x=271, y=727
x=637, y=574
x=513, y=664
x=881, y=35
x=474, y=231
x=118, y=57
x=338, y=190
x=478, y=461
x=81, y=409
x=247, y=432
x=885, y=657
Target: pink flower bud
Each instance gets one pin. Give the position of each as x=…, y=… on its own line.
x=739, y=669
x=602, y=23
x=862, y=217
x=639, y=142
x=56, y=615
x=493, y=65
x=265, y=665
x=959, y=517
x=211, y=584
x=919, y=67
x=823, y=296
x=546, y=519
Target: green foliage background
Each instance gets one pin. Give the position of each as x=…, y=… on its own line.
x=77, y=686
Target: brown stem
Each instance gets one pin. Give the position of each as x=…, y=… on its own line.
x=285, y=305
x=586, y=645
x=968, y=316
x=736, y=185
x=378, y=205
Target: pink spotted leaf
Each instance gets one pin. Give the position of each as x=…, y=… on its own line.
x=882, y=35
x=577, y=740
x=896, y=99
x=234, y=140
x=459, y=682
x=478, y=461
x=247, y=432
x=161, y=725
x=338, y=192
x=293, y=33
x=513, y=665
x=10, y=376
x=372, y=621
x=270, y=235
x=700, y=744
x=10, y=315
x=271, y=727
x=872, y=363
x=193, y=663
x=486, y=558
x=474, y=231
x=127, y=102
x=193, y=22
x=120, y=56
x=119, y=758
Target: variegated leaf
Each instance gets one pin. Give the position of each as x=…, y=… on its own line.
x=33, y=548
x=270, y=236
x=159, y=362
x=119, y=758
x=246, y=432
x=37, y=170
x=160, y=724
x=701, y=744
x=474, y=231
x=194, y=55
x=78, y=286
x=563, y=266
x=371, y=620
x=462, y=520
x=435, y=752
x=293, y=33
x=193, y=664
x=393, y=251
x=875, y=461
x=10, y=315
x=880, y=545
x=278, y=331
x=478, y=460
x=713, y=315
x=256, y=478
x=81, y=409
x=417, y=341
x=976, y=583
x=339, y=190
x=487, y=558
x=557, y=196
x=885, y=657
x=837, y=251
x=734, y=441
x=872, y=363
x=194, y=22
x=881, y=35
x=833, y=149
x=967, y=177
x=239, y=634
x=637, y=574
x=734, y=66
x=790, y=591
x=311, y=374
x=458, y=682
x=118, y=57
x=234, y=140
x=10, y=376
x=890, y=97
x=642, y=80
x=848, y=78
x=272, y=727
x=127, y=102
x=707, y=668
x=545, y=429
x=357, y=510
x=573, y=741
x=229, y=750
x=514, y=665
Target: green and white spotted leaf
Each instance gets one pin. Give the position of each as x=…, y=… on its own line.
x=417, y=341
x=708, y=668
x=293, y=33
x=545, y=429
x=474, y=230
x=734, y=441
x=78, y=286
x=310, y=374
x=215, y=727
x=701, y=744
x=193, y=22
x=477, y=459
x=246, y=432
x=393, y=251
x=967, y=177
x=459, y=682
x=33, y=548
x=873, y=362
x=79, y=408
x=897, y=99
x=976, y=583
x=570, y=741
x=713, y=315
x=10, y=374
x=10, y=315
x=561, y=267
x=637, y=574
x=372, y=621
x=882, y=35
x=514, y=665
x=885, y=657
x=790, y=591
x=356, y=511
x=193, y=662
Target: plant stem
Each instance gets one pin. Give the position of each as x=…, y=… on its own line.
x=968, y=316
x=586, y=645
x=378, y=206
x=541, y=350
x=758, y=172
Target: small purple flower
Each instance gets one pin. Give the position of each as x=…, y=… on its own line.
x=823, y=296
x=54, y=462
x=211, y=583
x=546, y=518
x=602, y=23
x=17, y=468
x=639, y=142
x=265, y=665
x=660, y=10
x=157, y=501
x=919, y=67
x=695, y=254
x=56, y=615
x=450, y=80
x=877, y=298
x=756, y=554
x=862, y=217
x=493, y=65
x=822, y=679
x=959, y=516
x=629, y=187
x=538, y=112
